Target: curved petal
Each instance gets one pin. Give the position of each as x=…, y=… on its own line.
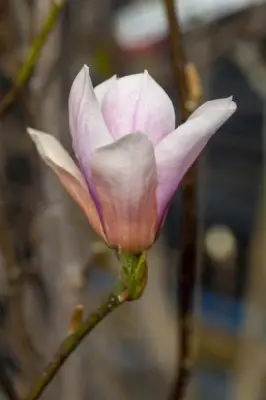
x=101, y=89
x=124, y=177
x=87, y=125
x=155, y=114
x=120, y=103
x=176, y=152
x=69, y=175
x=136, y=103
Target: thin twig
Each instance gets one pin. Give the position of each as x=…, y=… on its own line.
x=33, y=55
x=187, y=267
x=186, y=282
x=178, y=59
x=7, y=384
x=72, y=341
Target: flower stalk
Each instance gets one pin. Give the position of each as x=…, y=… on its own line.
x=72, y=341
x=130, y=287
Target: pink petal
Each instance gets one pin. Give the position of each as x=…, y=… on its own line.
x=136, y=103
x=177, y=151
x=87, y=125
x=101, y=89
x=120, y=103
x=124, y=177
x=56, y=157
x=155, y=114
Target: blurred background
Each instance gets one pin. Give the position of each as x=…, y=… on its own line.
x=50, y=260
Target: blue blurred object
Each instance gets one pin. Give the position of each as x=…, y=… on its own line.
x=100, y=281
x=211, y=383
x=221, y=312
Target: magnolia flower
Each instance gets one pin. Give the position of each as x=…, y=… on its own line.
x=130, y=157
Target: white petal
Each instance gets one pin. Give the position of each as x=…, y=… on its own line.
x=177, y=151
x=124, y=176
x=215, y=108
x=136, y=103
x=51, y=150
x=101, y=89
x=155, y=114
x=120, y=103
x=87, y=125
x=69, y=175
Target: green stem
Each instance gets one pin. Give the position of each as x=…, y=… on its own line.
x=71, y=342
x=33, y=54
x=130, y=286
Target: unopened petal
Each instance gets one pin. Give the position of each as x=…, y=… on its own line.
x=87, y=125
x=101, y=89
x=177, y=151
x=120, y=104
x=56, y=157
x=136, y=103
x=155, y=114
x=124, y=177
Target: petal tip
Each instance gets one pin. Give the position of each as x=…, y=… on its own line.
x=81, y=81
x=31, y=131
x=35, y=134
x=82, y=76
x=232, y=104
x=38, y=139
x=85, y=69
